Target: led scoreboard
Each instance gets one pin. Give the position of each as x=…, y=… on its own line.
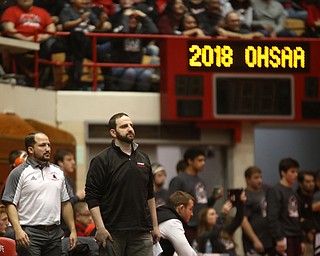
x=219, y=79
x=244, y=56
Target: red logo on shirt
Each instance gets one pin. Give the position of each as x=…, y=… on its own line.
x=54, y=176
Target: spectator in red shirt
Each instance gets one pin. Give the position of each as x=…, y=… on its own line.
x=30, y=23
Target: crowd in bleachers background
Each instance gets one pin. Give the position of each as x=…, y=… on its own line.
x=196, y=18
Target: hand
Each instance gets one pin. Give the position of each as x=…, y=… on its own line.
x=73, y=240
x=273, y=34
x=102, y=235
x=138, y=13
x=217, y=193
x=243, y=197
x=267, y=27
x=252, y=35
x=103, y=17
x=81, y=194
x=22, y=239
x=303, y=248
x=85, y=16
x=257, y=34
x=156, y=235
x=128, y=12
x=199, y=32
x=258, y=246
x=226, y=207
x=43, y=37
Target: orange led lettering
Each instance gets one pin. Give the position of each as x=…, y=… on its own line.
x=275, y=60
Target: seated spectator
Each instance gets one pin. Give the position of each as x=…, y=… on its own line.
x=4, y=221
x=211, y=18
x=170, y=20
x=7, y=244
x=313, y=18
x=172, y=219
x=131, y=50
x=243, y=8
x=27, y=22
x=214, y=229
x=79, y=19
x=15, y=158
x=233, y=28
x=83, y=220
x=269, y=17
x=54, y=8
x=189, y=26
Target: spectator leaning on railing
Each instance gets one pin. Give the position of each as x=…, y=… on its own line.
x=131, y=50
x=79, y=19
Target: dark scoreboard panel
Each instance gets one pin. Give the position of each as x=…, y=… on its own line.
x=219, y=79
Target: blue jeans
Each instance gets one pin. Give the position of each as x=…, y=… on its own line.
x=128, y=243
x=132, y=79
x=297, y=14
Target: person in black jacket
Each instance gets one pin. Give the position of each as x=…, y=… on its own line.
x=173, y=218
x=283, y=212
x=119, y=193
x=217, y=229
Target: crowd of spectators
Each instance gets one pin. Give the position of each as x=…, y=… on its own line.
x=39, y=20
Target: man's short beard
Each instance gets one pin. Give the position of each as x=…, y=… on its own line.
x=124, y=139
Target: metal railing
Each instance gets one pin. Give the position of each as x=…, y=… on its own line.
x=95, y=64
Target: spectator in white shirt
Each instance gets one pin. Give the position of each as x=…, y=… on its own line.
x=172, y=219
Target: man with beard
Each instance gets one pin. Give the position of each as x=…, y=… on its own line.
x=34, y=195
x=119, y=193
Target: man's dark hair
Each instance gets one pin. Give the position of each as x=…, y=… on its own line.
x=112, y=122
x=286, y=164
x=251, y=170
x=301, y=175
x=29, y=140
x=181, y=166
x=193, y=153
x=60, y=154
